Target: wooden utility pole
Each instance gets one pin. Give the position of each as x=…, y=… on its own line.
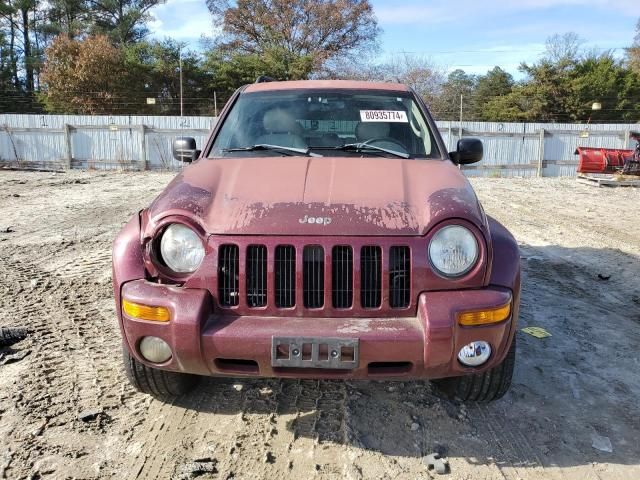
x=460, y=128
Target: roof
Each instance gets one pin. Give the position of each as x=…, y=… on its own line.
x=325, y=85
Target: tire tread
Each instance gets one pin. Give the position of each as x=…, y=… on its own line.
x=482, y=387
x=161, y=384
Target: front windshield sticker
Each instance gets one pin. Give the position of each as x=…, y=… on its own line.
x=384, y=116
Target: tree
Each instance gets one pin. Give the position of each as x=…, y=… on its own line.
x=17, y=14
x=565, y=90
x=154, y=72
x=27, y=27
x=69, y=17
x=303, y=35
x=603, y=79
x=563, y=48
x=633, y=53
x=418, y=72
x=496, y=83
x=513, y=107
x=124, y=21
x=547, y=90
x=86, y=77
x=447, y=105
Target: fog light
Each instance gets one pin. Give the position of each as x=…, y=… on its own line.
x=155, y=350
x=474, y=354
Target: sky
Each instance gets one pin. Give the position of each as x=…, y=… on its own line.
x=472, y=35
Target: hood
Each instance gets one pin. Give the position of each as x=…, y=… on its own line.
x=318, y=196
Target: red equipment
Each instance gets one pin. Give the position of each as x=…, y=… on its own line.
x=607, y=160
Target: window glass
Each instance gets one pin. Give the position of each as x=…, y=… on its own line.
x=324, y=120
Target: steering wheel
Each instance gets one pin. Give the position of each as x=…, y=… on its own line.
x=372, y=141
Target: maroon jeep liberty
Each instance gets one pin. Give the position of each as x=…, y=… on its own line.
x=323, y=231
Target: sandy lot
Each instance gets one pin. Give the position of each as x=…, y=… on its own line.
x=66, y=410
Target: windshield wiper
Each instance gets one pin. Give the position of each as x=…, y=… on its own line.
x=361, y=147
x=265, y=146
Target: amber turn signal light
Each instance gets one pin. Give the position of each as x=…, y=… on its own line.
x=484, y=317
x=145, y=312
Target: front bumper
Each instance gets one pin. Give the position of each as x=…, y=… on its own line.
x=206, y=342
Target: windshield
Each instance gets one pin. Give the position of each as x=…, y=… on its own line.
x=330, y=122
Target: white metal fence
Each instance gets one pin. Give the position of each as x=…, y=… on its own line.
x=144, y=142
x=95, y=142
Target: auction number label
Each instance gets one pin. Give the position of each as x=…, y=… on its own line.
x=394, y=116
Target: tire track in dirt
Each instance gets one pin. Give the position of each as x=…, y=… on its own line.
x=268, y=423
x=320, y=430
x=72, y=352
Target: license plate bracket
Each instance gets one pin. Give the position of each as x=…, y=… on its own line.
x=315, y=352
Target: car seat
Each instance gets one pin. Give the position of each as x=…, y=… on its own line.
x=281, y=129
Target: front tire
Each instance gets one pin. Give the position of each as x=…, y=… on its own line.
x=161, y=384
x=482, y=387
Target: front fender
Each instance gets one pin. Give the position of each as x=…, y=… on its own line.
x=505, y=269
x=127, y=259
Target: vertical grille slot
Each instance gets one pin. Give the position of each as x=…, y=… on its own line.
x=371, y=277
x=256, y=276
x=285, y=276
x=313, y=276
x=228, y=275
x=399, y=277
x=342, y=276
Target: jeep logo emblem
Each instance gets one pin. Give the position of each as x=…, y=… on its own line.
x=317, y=220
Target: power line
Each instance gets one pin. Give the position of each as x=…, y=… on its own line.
x=510, y=50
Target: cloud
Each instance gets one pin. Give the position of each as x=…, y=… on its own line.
x=463, y=10
x=184, y=20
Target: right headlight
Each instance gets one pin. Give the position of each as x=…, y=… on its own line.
x=181, y=248
x=453, y=251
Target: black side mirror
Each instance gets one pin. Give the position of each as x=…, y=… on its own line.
x=470, y=150
x=184, y=149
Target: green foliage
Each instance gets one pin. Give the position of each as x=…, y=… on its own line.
x=633, y=53
x=446, y=106
x=561, y=87
x=67, y=17
x=154, y=67
x=124, y=21
x=495, y=84
x=296, y=37
x=229, y=70
x=99, y=61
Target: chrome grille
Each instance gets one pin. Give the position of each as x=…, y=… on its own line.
x=256, y=276
x=342, y=276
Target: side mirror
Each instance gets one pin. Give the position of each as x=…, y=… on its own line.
x=184, y=149
x=470, y=150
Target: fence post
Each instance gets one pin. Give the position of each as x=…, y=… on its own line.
x=541, y=152
x=67, y=146
x=143, y=148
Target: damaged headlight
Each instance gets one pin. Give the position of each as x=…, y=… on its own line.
x=181, y=248
x=453, y=251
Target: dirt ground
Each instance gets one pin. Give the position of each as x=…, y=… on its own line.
x=66, y=410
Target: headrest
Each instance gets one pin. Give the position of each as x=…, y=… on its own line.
x=368, y=130
x=279, y=120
